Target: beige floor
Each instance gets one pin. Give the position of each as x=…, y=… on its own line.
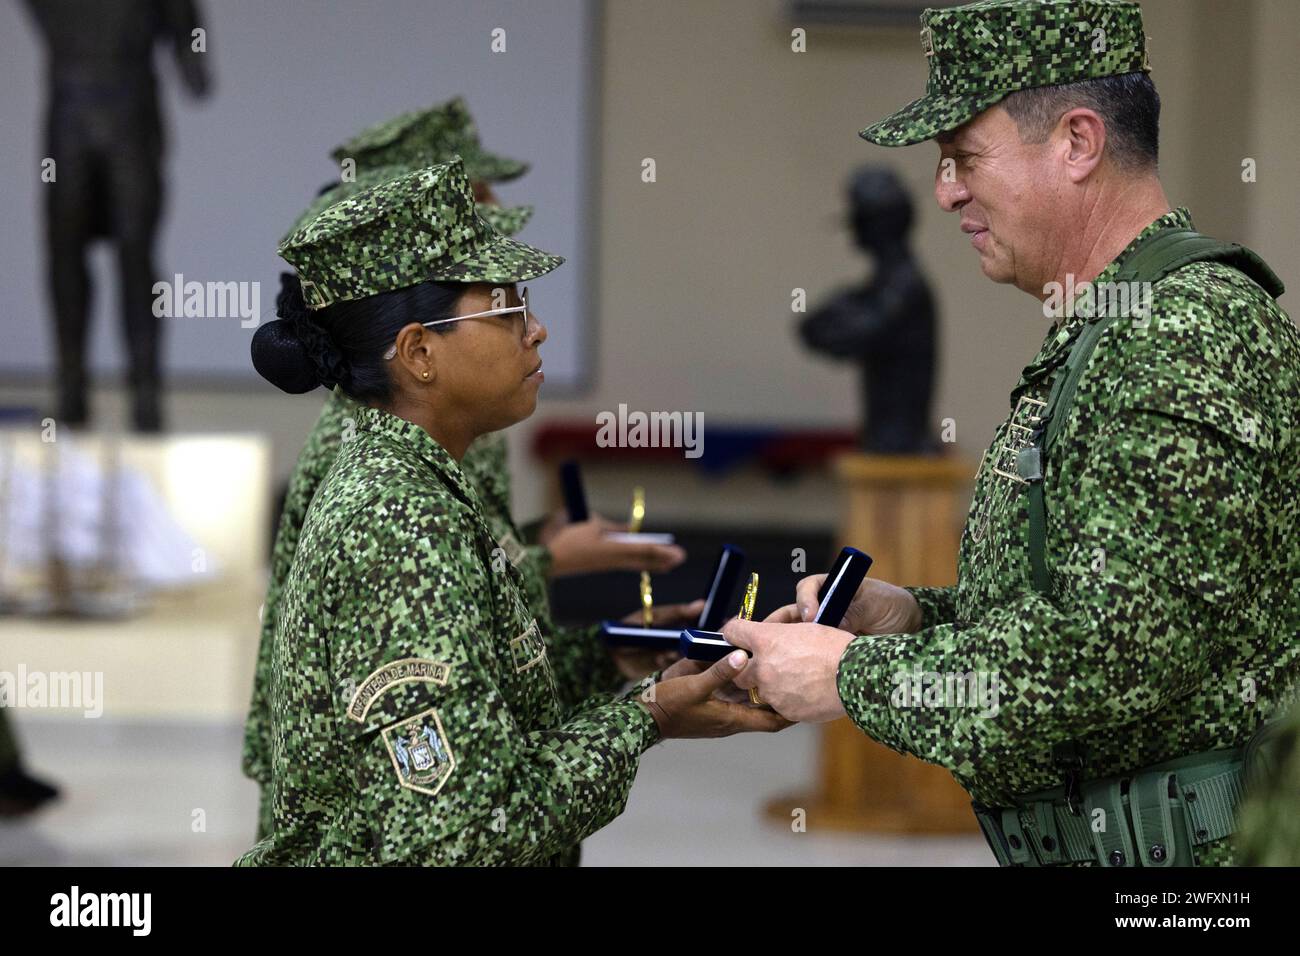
x=136, y=792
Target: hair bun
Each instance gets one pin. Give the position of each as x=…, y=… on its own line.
x=289, y=303
x=281, y=358
x=330, y=365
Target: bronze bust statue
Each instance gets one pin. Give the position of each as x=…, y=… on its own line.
x=887, y=324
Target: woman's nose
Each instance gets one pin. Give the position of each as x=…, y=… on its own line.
x=537, y=332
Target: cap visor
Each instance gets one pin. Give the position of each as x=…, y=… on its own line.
x=929, y=116
x=501, y=260
x=491, y=168
x=506, y=220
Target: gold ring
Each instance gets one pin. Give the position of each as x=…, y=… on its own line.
x=754, y=698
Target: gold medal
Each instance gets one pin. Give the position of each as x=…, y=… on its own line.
x=751, y=597
x=747, y=614
x=638, y=510
x=634, y=526
x=647, y=600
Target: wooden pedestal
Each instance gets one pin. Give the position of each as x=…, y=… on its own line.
x=906, y=512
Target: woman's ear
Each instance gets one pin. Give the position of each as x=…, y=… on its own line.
x=415, y=354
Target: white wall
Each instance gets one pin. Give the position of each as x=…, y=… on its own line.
x=293, y=79
x=753, y=145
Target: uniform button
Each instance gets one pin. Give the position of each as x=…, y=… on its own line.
x=1158, y=852
x=1014, y=841
x=1049, y=844
x=1116, y=857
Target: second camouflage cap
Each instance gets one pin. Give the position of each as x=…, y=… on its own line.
x=980, y=52
x=506, y=220
x=412, y=139
x=401, y=232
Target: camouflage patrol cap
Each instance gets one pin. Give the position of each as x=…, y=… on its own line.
x=980, y=52
x=421, y=225
x=506, y=220
x=432, y=135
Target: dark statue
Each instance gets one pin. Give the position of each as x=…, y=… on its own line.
x=105, y=135
x=886, y=325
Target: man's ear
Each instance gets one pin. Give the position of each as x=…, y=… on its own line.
x=1084, y=141
x=416, y=356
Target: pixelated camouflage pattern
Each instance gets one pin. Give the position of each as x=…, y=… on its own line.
x=441, y=131
x=1269, y=823
x=336, y=419
x=1173, y=542
x=584, y=672
x=421, y=225
x=396, y=563
x=489, y=470
x=506, y=220
x=980, y=52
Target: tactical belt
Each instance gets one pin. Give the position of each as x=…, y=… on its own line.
x=1153, y=817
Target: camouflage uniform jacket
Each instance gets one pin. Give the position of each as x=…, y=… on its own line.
x=415, y=716
x=582, y=668
x=1173, y=542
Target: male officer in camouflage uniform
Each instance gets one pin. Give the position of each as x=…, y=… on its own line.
x=382, y=153
x=1130, y=665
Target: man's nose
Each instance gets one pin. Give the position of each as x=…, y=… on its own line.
x=950, y=193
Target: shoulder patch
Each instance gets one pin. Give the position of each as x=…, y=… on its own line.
x=420, y=751
x=405, y=671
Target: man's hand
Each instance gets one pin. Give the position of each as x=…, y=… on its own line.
x=636, y=662
x=878, y=608
x=793, y=666
x=684, y=704
x=585, y=547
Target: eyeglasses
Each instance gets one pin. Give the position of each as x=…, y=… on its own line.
x=522, y=308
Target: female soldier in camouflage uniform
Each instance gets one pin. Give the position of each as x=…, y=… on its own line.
x=581, y=664
x=415, y=714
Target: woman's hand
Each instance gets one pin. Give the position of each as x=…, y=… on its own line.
x=585, y=547
x=685, y=667
x=669, y=615
x=878, y=608
x=684, y=704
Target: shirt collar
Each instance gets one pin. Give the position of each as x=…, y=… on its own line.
x=416, y=440
x=1064, y=331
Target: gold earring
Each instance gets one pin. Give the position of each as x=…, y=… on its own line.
x=424, y=374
